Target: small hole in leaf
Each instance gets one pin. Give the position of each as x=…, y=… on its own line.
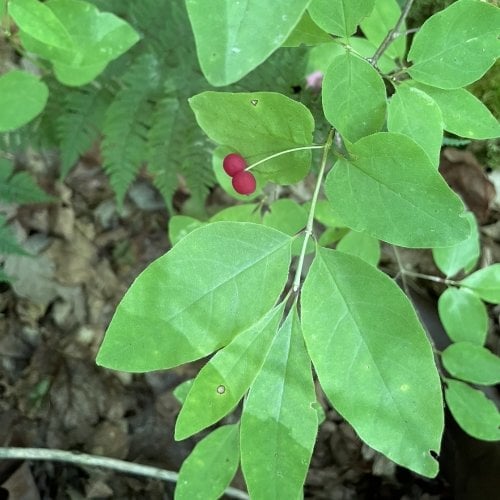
x=221, y=389
x=254, y=102
x=434, y=454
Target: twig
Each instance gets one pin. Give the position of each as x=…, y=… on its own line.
x=97, y=461
x=401, y=270
x=392, y=35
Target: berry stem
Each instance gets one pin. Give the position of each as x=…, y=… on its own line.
x=310, y=220
x=301, y=148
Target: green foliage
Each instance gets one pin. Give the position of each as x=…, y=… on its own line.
x=360, y=245
x=73, y=35
x=306, y=32
x=219, y=290
x=79, y=124
x=340, y=17
x=354, y=99
x=463, y=255
x=256, y=125
x=18, y=187
x=474, y=412
x=225, y=34
x=22, y=97
x=456, y=46
x=472, y=363
x=355, y=341
x=463, y=315
x=279, y=423
x=463, y=114
x=209, y=469
x=369, y=350
x=413, y=113
x=223, y=381
x=383, y=18
x=8, y=241
x=127, y=124
x=379, y=190
x=485, y=283
x=224, y=288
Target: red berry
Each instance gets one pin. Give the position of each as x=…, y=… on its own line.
x=244, y=183
x=234, y=163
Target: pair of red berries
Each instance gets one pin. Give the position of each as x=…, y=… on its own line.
x=243, y=181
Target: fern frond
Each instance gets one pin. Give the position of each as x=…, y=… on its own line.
x=127, y=122
x=160, y=148
x=79, y=125
x=193, y=154
x=8, y=242
x=20, y=187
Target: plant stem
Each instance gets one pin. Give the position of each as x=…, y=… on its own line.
x=429, y=277
x=301, y=148
x=98, y=461
x=310, y=220
x=392, y=35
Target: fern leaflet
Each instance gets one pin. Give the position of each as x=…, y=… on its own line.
x=78, y=126
x=20, y=187
x=127, y=123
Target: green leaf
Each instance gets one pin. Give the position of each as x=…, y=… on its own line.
x=373, y=359
x=286, y=215
x=249, y=212
x=413, y=113
x=180, y=226
x=225, y=34
x=366, y=49
x=181, y=391
x=215, y=283
x=354, y=98
x=41, y=23
x=463, y=113
x=474, y=412
x=322, y=56
x=223, y=381
x=361, y=245
x=279, y=421
x=456, y=46
x=463, y=315
x=82, y=40
x=463, y=255
x=332, y=235
x=325, y=214
x=383, y=18
x=20, y=187
x=307, y=32
x=8, y=241
x=472, y=363
x=391, y=190
x=289, y=217
x=211, y=466
x=257, y=125
x=485, y=283
x=80, y=123
x=340, y=17
x=22, y=97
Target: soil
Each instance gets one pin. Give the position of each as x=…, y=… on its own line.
x=55, y=313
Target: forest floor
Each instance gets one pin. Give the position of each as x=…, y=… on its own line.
x=54, y=315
